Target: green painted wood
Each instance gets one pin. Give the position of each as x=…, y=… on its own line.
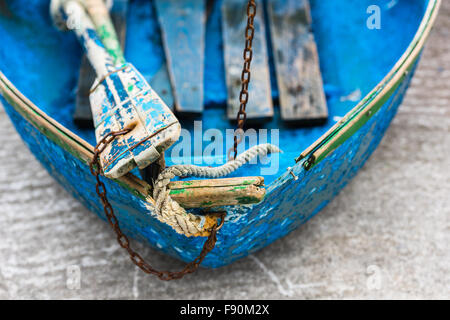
x=218, y=192
x=352, y=124
x=234, y=22
x=183, y=32
x=302, y=99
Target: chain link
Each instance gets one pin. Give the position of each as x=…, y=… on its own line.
x=245, y=76
x=122, y=239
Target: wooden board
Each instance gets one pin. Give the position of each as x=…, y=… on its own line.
x=83, y=115
x=183, y=32
x=218, y=192
x=302, y=99
x=234, y=21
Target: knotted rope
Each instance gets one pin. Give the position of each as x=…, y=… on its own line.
x=170, y=212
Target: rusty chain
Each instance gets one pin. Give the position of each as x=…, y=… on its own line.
x=122, y=239
x=209, y=244
x=245, y=76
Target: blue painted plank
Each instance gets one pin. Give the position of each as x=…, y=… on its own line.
x=145, y=49
x=183, y=31
x=234, y=21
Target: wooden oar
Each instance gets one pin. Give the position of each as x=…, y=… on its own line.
x=302, y=99
x=82, y=115
x=183, y=32
x=234, y=21
x=120, y=97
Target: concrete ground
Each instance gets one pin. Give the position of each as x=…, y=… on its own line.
x=387, y=235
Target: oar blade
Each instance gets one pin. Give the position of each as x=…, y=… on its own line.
x=122, y=100
x=302, y=99
x=234, y=21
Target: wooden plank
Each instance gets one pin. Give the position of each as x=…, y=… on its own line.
x=218, y=192
x=234, y=21
x=183, y=32
x=302, y=99
x=82, y=116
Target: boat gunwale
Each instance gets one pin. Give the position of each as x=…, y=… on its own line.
x=368, y=106
x=316, y=152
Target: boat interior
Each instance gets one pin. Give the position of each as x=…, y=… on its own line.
x=43, y=64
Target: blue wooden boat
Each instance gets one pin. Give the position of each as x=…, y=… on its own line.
x=366, y=71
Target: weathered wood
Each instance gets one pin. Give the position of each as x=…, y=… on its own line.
x=83, y=115
x=218, y=192
x=121, y=98
x=302, y=99
x=234, y=21
x=183, y=32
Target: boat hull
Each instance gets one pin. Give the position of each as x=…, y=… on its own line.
x=292, y=198
x=289, y=203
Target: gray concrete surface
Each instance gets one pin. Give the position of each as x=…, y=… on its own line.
x=387, y=235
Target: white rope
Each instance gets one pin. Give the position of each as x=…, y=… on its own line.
x=170, y=212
